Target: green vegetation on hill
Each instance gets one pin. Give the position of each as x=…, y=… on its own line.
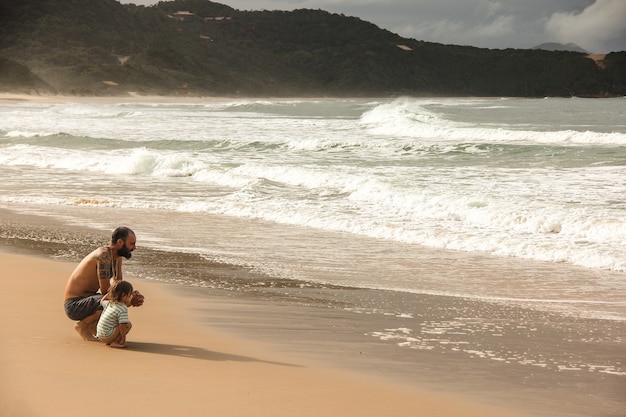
x=198, y=47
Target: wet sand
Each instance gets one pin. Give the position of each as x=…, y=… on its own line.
x=530, y=361
x=172, y=365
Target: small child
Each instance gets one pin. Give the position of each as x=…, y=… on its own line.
x=114, y=324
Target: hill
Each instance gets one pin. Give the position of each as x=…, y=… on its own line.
x=554, y=46
x=198, y=47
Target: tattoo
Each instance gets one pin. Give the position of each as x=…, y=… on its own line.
x=105, y=265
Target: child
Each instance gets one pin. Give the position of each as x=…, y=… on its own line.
x=114, y=324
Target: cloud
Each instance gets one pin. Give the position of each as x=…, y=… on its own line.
x=500, y=26
x=442, y=31
x=492, y=7
x=458, y=32
x=592, y=28
x=596, y=25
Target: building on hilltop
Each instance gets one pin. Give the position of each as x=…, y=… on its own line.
x=182, y=15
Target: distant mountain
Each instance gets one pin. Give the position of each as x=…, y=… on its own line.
x=553, y=46
x=202, y=48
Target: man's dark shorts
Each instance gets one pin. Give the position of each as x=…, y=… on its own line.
x=80, y=307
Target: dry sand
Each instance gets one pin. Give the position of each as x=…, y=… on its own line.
x=173, y=366
x=129, y=98
x=12, y=98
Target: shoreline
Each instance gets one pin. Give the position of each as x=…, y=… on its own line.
x=13, y=98
x=134, y=98
x=174, y=364
x=316, y=328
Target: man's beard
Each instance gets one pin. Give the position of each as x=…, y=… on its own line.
x=125, y=252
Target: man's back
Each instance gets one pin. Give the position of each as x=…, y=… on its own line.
x=84, y=280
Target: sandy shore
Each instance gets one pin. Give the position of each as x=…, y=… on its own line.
x=31, y=98
x=13, y=98
x=173, y=367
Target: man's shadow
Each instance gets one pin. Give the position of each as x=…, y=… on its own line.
x=194, y=353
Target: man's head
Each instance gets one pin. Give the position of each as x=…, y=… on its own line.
x=124, y=240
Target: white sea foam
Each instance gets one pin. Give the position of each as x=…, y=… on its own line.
x=461, y=336
x=26, y=134
x=500, y=177
x=410, y=118
x=375, y=204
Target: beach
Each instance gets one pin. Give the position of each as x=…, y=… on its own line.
x=173, y=366
x=322, y=257
x=285, y=351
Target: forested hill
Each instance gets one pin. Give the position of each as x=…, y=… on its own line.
x=198, y=47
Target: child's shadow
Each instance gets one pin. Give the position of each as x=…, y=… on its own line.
x=194, y=353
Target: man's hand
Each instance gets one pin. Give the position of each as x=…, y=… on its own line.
x=137, y=299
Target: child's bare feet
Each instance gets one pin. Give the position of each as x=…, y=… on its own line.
x=84, y=331
x=117, y=345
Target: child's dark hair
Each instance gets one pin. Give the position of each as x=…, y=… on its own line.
x=118, y=290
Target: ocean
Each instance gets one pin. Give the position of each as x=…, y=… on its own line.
x=487, y=232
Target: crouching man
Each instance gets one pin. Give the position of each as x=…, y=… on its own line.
x=92, y=278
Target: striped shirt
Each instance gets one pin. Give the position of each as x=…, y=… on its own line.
x=113, y=315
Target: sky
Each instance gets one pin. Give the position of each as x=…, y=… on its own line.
x=598, y=26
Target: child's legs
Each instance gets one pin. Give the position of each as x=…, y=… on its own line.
x=124, y=328
x=113, y=338
x=118, y=338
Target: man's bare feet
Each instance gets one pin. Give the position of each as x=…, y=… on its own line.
x=117, y=345
x=84, y=332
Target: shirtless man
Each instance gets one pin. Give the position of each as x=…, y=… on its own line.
x=92, y=278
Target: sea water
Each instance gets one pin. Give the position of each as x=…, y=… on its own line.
x=536, y=179
x=516, y=203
